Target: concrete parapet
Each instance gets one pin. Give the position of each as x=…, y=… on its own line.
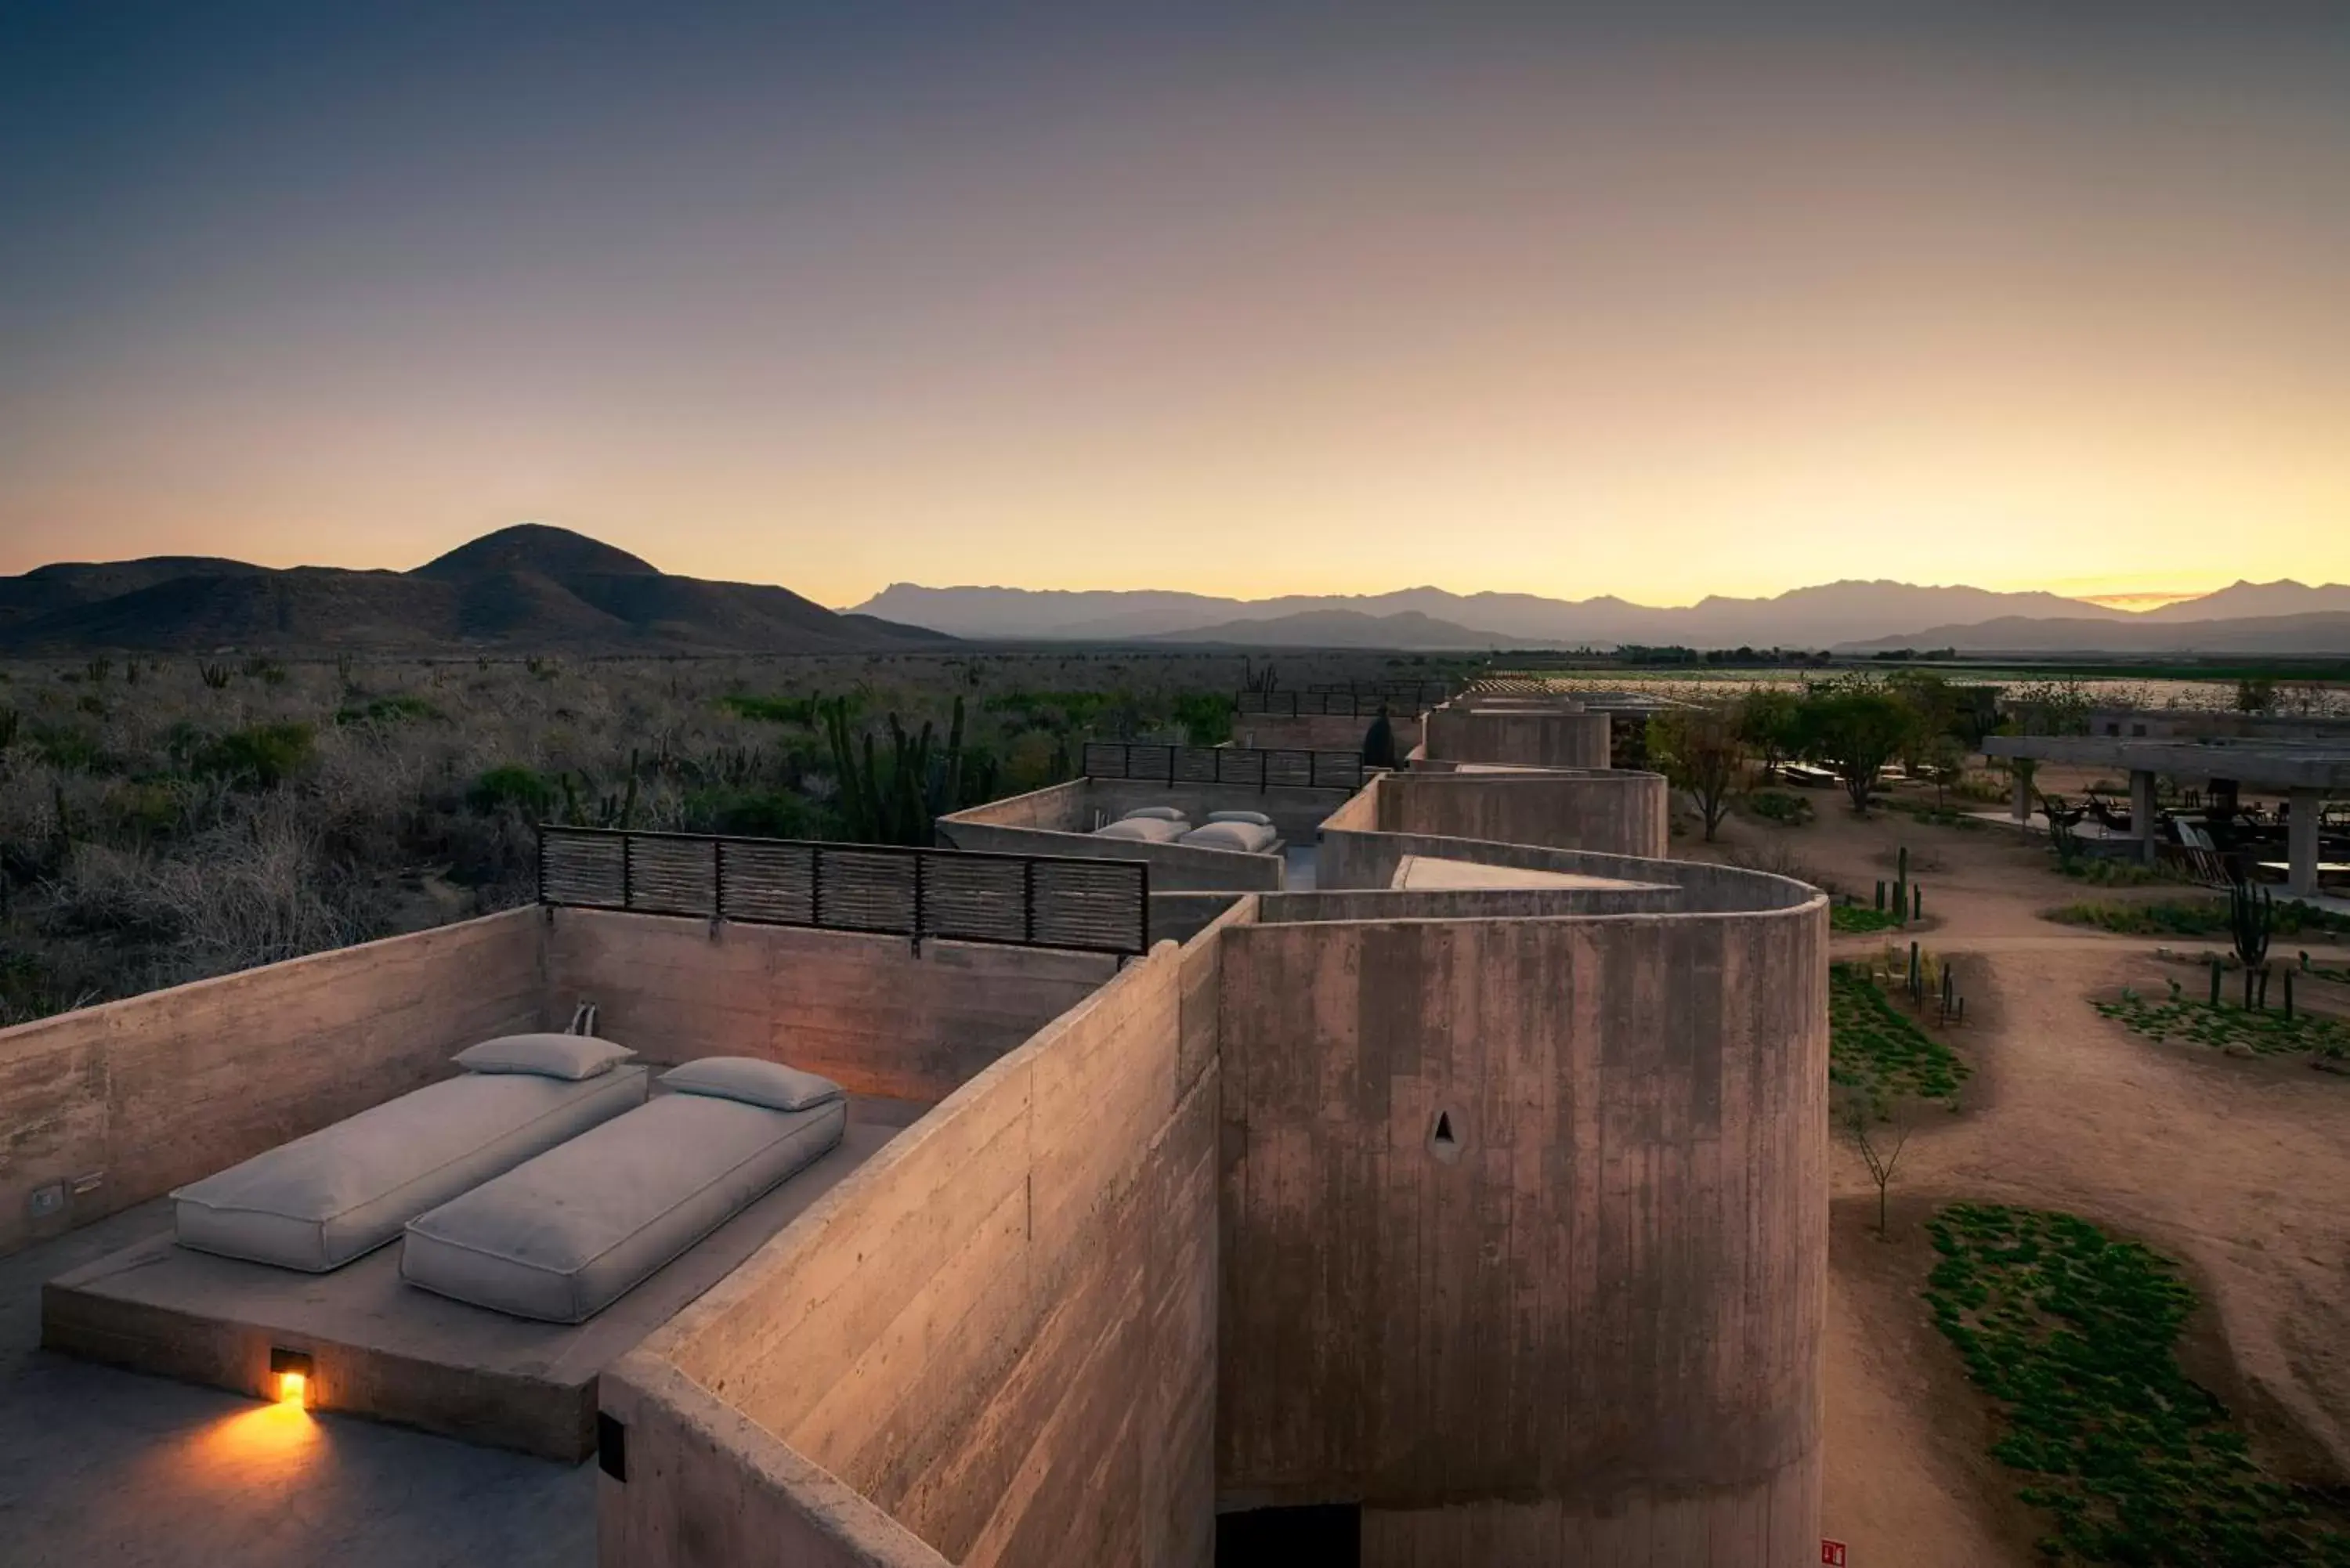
x=1532, y=1241
x=114, y=1105
x=1551, y=734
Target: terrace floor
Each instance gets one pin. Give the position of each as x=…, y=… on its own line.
x=100, y=1466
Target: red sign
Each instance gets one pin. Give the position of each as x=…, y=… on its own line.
x=1832, y=1553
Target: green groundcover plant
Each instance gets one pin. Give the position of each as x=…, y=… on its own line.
x=2075, y=1335
x=1873, y=1047
x=2265, y=1030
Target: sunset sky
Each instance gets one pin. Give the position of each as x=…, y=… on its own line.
x=1249, y=299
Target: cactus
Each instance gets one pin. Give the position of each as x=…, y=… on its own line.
x=99, y=670
x=920, y=783
x=214, y=676
x=2251, y=914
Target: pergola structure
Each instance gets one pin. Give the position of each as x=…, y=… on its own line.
x=2304, y=772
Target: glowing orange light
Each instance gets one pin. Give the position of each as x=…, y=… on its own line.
x=291, y=1387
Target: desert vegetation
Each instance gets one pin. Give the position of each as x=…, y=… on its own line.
x=1877, y=1053
x=2075, y=1336
x=166, y=819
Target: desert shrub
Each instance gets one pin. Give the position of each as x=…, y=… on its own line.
x=396, y=709
x=2105, y=871
x=514, y=787
x=10, y=722
x=2075, y=1336
x=1873, y=1049
x=1781, y=807
x=2263, y=1031
x=799, y=711
x=1206, y=717
x=1854, y=918
x=68, y=748
x=266, y=755
x=2189, y=918
x=751, y=814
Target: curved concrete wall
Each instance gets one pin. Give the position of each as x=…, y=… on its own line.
x=1590, y=1332
x=1549, y=737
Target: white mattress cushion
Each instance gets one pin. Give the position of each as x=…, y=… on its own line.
x=1155, y=813
x=318, y=1202
x=1258, y=817
x=573, y=1056
x=1245, y=837
x=564, y=1236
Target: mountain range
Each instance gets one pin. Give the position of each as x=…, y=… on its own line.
x=527, y=587
x=532, y=587
x=1844, y=614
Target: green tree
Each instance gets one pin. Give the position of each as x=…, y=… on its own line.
x=1700, y=749
x=1855, y=728
x=1766, y=722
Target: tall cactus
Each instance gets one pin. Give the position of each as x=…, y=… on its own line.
x=899, y=806
x=2251, y=914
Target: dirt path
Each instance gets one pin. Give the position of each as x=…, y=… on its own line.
x=2241, y=1169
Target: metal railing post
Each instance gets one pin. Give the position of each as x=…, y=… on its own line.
x=628, y=888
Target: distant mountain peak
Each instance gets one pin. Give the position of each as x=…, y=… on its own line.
x=539, y=549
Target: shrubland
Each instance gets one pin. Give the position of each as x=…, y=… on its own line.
x=162, y=820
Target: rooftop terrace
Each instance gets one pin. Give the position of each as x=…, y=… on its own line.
x=1064, y=1312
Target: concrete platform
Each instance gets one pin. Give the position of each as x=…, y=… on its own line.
x=385, y=1349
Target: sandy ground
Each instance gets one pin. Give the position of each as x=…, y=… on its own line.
x=2241, y=1169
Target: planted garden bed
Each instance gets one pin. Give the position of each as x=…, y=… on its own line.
x=2075, y=1336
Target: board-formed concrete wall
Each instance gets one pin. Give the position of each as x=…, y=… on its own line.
x=1610, y=813
x=865, y=1010
x=158, y=1090
x=1590, y=1332
x=1550, y=735
x=994, y=1344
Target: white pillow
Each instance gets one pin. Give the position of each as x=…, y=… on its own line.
x=754, y=1083
x=568, y=1056
x=1157, y=813
x=1255, y=818
x=1146, y=830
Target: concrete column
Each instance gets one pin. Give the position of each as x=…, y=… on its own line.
x=2020, y=809
x=2142, y=814
x=2301, y=840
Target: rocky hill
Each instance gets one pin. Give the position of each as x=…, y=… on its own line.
x=526, y=588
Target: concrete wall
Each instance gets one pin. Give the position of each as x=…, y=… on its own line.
x=1470, y=904
x=997, y=1336
x=1350, y=859
x=865, y=1010
x=155, y=1091
x=1594, y=1335
x=1059, y=820
x=1546, y=736
x=1608, y=813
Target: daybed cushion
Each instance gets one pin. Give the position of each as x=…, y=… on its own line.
x=1144, y=829
x=1155, y=813
x=323, y=1200
x=1245, y=836
x=752, y=1082
x=572, y=1056
x=564, y=1236
x=1257, y=817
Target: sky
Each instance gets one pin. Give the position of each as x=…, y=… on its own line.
x=1245, y=300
